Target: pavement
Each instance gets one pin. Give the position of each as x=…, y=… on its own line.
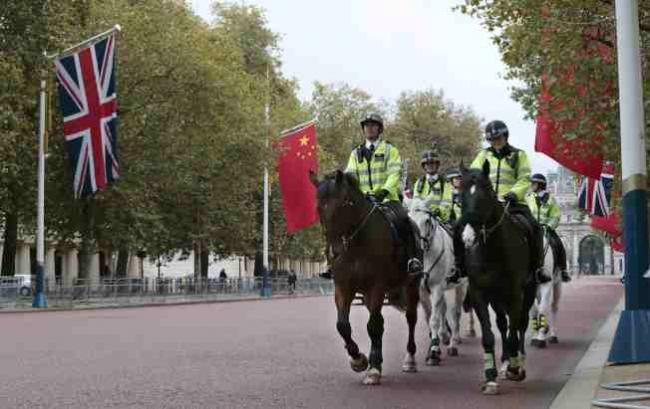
x=281, y=353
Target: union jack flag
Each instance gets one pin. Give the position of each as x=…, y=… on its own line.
x=89, y=104
x=594, y=195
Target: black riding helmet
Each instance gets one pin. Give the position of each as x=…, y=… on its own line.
x=453, y=173
x=540, y=179
x=495, y=129
x=373, y=118
x=429, y=156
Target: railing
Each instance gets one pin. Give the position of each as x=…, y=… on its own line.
x=126, y=291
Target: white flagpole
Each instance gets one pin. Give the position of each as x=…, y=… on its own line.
x=39, y=300
x=265, y=239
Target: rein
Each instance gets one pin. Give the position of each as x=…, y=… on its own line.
x=428, y=241
x=486, y=232
x=346, y=240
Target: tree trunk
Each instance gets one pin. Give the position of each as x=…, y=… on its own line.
x=205, y=260
x=9, y=245
x=122, y=263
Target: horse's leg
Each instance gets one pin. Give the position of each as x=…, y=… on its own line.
x=557, y=293
x=519, y=324
x=516, y=318
x=467, y=307
x=375, y=332
x=412, y=299
x=545, y=300
x=435, y=322
x=502, y=325
x=427, y=306
x=533, y=323
x=490, y=387
x=454, y=299
x=343, y=300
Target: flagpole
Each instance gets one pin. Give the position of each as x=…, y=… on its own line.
x=40, y=300
x=265, y=238
x=630, y=342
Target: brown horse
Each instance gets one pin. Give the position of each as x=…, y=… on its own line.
x=365, y=259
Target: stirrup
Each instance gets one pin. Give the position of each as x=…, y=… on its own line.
x=455, y=276
x=540, y=278
x=414, y=267
x=566, y=278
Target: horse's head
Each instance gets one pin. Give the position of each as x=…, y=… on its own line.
x=338, y=198
x=478, y=196
x=423, y=218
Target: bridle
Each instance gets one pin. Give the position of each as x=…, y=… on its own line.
x=346, y=240
x=427, y=239
x=487, y=231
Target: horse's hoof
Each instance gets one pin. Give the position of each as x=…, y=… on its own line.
x=360, y=364
x=445, y=339
x=453, y=351
x=433, y=361
x=490, y=388
x=553, y=340
x=409, y=364
x=516, y=374
x=373, y=377
x=471, y=334
x=503, y=370
x=538, y=343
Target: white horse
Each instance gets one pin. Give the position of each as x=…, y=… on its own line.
x=543, y=314
x=442, y=303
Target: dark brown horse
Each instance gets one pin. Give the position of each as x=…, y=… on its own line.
x=365, y=259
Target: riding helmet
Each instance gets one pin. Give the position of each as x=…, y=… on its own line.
x=453, y=173
x=539, y=178
x=429, y=156
x=373, y=118
x=495, y=129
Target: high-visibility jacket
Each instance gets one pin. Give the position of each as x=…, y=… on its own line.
x=435, y=193
x=455, y=207
x=509, y=170
x=383, y=171
x=545, y=209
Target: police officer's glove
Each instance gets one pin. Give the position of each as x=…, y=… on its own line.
x=510, y=197
x=437, y=213
x=381, y=195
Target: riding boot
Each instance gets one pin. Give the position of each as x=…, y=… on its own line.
x=458, y=271
x=537, y=250
x=416, y=255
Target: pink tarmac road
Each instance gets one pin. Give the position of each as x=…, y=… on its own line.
x=264, y=354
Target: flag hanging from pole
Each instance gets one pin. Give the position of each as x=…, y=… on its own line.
x=89, y=104
x=298, y=155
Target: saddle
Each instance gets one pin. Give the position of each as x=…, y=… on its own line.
x=523, y=224
x=398, y=221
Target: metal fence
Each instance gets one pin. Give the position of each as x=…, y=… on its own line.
x=136, y=291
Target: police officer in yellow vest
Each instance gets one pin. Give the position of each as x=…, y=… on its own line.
x=454, y=179
x=377, y=165
x=431, y=187
x=547, y=212
x=509, y=174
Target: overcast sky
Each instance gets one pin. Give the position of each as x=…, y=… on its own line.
x=388, y=46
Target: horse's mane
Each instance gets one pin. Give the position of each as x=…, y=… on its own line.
x=326, y=188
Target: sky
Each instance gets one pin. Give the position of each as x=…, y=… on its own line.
x=389, y=46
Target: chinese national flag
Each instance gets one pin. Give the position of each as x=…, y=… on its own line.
x=298, y=155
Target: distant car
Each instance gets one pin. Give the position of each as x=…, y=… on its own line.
x=24, y=284
x=21, y=283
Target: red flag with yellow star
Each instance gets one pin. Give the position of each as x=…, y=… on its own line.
x=298, y=155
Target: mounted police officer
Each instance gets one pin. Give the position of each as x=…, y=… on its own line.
x=547, y=212
x=454, y=179
x=431, y=187
x=377, y=165
x=509, y=174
